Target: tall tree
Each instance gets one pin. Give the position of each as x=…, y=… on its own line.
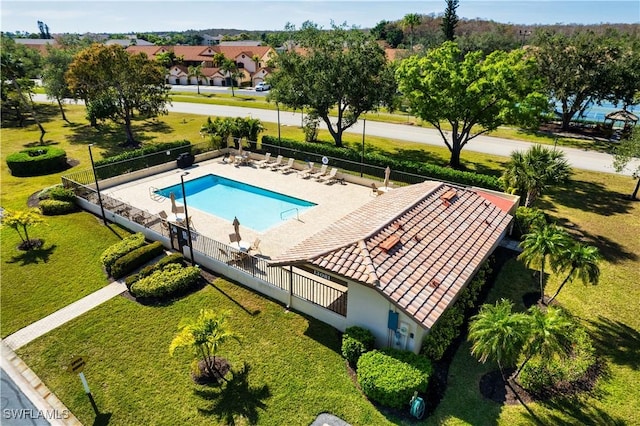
x=450, y=20
x=470, y=94
x=581, y=69
x=532, y=172
x=341, y=70
x=56, y=64
x=411, y=21
x=627, y=151
x=542, y=244
x=44, y=30
x=547, y=335
x=582, y=262
x=204, y=335
x=129, y=82
x=196, y=71
x=497, y=333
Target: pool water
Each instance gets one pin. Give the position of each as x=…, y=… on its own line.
x=255, y=208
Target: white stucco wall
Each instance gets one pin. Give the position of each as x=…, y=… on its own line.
x=369, y=309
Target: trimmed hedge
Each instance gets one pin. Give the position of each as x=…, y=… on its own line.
x=149, y=269
x=379, y=160
x=356, y=341
x=37, y=161
x=142, y=158
x=170, y=280
x=449, y=325
x=119, y=249
x=136, y=258
x=56, y=207
x=390, y=376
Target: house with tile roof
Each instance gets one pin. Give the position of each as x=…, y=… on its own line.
x=251, y=62
x=405, y=256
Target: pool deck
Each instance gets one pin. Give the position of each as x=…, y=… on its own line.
x=333, y=202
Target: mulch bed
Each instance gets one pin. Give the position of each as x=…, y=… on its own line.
x=493, y=387
x=222, y=367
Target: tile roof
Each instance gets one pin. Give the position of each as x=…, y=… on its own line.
x=436, y=237
x=204, y=53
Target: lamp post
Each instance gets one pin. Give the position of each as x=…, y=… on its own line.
x=186, y=214
x=95, y=178
x=364, y=124
x=279, y=143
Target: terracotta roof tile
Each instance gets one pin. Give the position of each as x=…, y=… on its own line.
x=441, y=244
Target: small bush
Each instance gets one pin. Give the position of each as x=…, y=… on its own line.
x=177, y=258
x=172, y=258
x=136, y=258
x=390, y=377
x=119, y=249
x=355, y=342
x=526, y=219
x=170, y=280
x=128, y=281
x=55, y=207
x=61, y=193
x=540, y=375
x=37, y=161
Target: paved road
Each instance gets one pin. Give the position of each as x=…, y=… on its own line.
x=581, y=159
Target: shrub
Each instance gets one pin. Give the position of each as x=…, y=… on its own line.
x=390, y=377
x=170, y=280
x=376, y=159
x=37, y=161
x=119, y=249
x=449, y=325
x=55, y=207
x=149, y=269
x=541, y=375
x=138, y=159
x=136, y=258
x=355, y=342
x=61, y=193
x=526, y=219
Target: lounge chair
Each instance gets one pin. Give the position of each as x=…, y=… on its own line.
x=255, y=246
x=287, y=168
x=233, y=238
x=331, y=177
x=265, y=161
x=304, y=174
x=276, y=163
x=318, y=174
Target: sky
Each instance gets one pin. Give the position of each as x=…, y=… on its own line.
x=119, y=16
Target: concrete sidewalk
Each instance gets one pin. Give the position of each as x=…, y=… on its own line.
x=64, y=315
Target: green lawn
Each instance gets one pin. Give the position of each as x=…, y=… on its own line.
x=295, y=370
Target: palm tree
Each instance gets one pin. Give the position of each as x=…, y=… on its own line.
x=547, y=333
x=218, y=59
x=196, y=71
x=411, y=20
x=582, y=262
x=230, y=68
x=204, y=335
x=533, y=171
x=542, y=243
x=497, y=334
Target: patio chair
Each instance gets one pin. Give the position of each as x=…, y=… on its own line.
x=331, y=177
x=255, y=246
x=304, y=174
x=287, y=168
x=265, y=161
x=276, y=163
x=233, y=238
x=320, y=173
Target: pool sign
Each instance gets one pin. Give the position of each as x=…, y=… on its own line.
x=76, y=365
x=325, y=160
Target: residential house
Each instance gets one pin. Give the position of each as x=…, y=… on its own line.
x=250, y=60
x=406, y=255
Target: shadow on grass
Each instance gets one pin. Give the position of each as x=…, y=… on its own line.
x=588, y=196
x=211, y=283
x=617, y=341
x=578, y=410
x=234, y=399
x=34, y=256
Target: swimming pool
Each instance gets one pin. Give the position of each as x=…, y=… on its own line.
x=255, y=207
